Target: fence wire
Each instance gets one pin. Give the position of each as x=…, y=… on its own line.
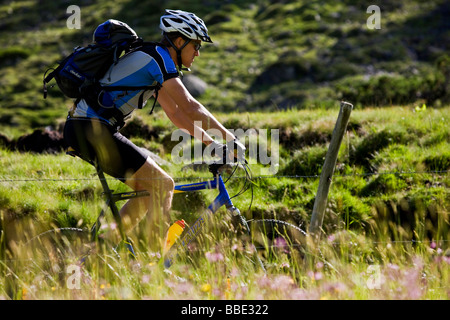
x=179, y=179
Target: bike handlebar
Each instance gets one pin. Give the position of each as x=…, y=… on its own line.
x=215, y=166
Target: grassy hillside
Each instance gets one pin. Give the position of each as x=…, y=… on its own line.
x=266, y=54
x=379, y=145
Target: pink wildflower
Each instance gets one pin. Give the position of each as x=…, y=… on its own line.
x=214, y=256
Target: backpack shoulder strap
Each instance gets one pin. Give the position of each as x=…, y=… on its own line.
x=156, y=97
x=54, y=71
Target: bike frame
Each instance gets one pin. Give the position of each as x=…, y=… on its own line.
x=222, y=199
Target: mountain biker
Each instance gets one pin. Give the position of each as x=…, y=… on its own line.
x=94, y=136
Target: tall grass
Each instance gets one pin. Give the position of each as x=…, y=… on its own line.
x=386, y=229
x=345, y=265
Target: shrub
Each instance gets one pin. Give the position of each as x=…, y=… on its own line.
x=383, y=184
x=439, y=162
x=13, y=54
x=347, y=209
x=365, y=152
x=308, y=162
x=393, y=89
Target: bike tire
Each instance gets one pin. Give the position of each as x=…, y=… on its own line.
x=278, y=244
x=51, y=252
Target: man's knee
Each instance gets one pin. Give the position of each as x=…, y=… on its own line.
x=168, y=183
x=163, y=183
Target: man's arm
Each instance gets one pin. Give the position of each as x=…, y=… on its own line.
x=183, y=110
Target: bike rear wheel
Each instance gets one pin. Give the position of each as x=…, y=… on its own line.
x=49, y=254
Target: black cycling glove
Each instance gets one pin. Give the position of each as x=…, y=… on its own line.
x=232, y=151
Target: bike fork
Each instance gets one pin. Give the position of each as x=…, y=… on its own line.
x=236, y=212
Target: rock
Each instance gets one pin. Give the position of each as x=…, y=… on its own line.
x=5, y=142
x=195, y=85
x=40, y=141
x=138, y=128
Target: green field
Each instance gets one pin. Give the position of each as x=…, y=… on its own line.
x=388, y=207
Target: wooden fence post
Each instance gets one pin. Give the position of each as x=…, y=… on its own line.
x=328, y=169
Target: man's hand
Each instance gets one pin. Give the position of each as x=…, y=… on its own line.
x=233, y=151
x=237, y=150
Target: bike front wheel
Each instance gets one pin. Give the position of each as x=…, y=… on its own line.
x=277, y=244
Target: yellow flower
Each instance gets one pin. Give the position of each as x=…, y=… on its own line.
x=206, y=287
x=423, y=108
x=228, y=290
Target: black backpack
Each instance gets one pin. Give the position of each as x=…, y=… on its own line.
x=78, y=75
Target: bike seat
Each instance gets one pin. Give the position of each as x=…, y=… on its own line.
x=74, y=153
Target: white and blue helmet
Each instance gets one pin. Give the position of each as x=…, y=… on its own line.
x=186, y=23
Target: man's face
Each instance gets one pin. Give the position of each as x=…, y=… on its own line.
x=189, y=52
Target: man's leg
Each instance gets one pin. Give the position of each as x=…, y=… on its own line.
x=160, y=185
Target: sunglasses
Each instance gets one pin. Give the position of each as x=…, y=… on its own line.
x=197, y=46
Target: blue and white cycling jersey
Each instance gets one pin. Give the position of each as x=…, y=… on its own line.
x=148, y=66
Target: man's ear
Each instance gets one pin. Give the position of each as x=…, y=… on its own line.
x=179, y=42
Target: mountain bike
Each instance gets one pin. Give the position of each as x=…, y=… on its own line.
x=263, y=240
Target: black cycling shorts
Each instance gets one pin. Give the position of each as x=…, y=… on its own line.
x=96, y=140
